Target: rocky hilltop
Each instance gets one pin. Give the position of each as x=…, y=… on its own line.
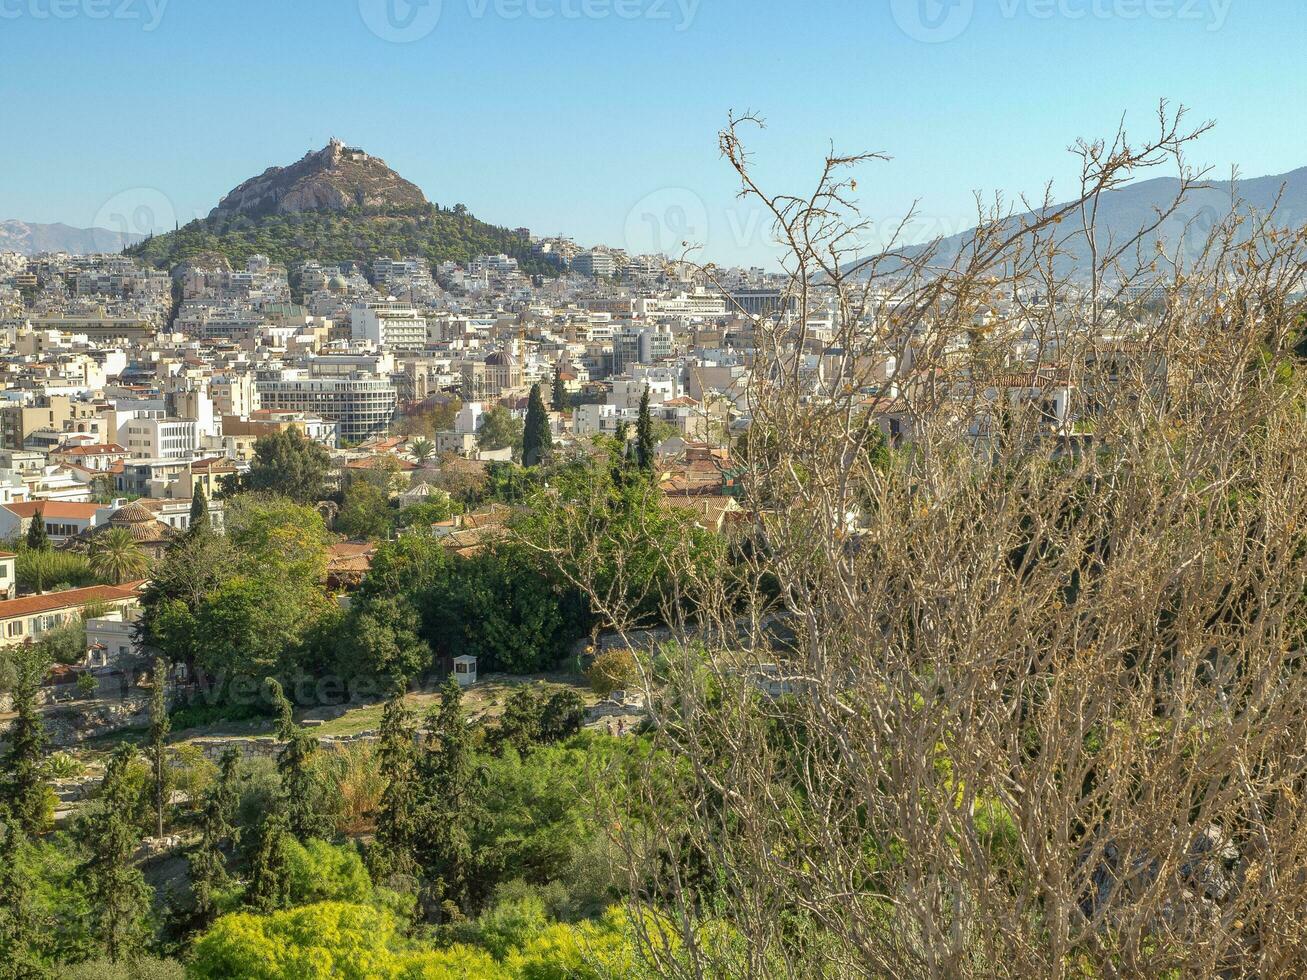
x=335, y=178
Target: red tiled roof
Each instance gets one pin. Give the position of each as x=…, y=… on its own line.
x=68, y=599
x=104, y=449
x=53, y=508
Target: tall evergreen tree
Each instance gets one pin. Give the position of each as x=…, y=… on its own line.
x=269, y=888
x=21, y=930
x=199, y=512
x=446, y=770
x=37, y=539
x=392, y=854
x=537, y=440
x=116, y=889
x=299, y=783
x=160, y=725
x=559, y=391
x=644, y=437
x=218, y=832
x=23, y=787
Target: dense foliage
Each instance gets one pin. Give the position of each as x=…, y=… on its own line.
x=434, y=233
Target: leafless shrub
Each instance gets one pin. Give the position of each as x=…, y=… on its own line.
x=1022, y=695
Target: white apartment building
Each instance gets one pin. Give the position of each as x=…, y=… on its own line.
x=162, y=438
x=388, y=323
x=362, y=405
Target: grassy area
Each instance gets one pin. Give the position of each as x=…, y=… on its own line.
x=484, y=701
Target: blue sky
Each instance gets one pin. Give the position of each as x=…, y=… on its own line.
x=598, y=118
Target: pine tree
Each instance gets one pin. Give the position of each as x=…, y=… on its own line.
x=37, y=540
x=217, y=831
x=199, y=512
x=644, y=437
x=392, y=854
x=446, y=770
x=559, y=392
x=270, y=871
x=23, y=788
x=299, y=782
x=116, y=889
x=160, y=725
x=537, y=440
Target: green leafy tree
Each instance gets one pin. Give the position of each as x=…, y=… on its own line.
x=218, y=834
x=23, y=787
x=645, y=448
x=537, y=440
x=384, y=639
x=287, y=463
x=115, y=887
x=500, y=429
x=160, y=725
x=37, y=539
x=38, y=571
x=115, y=558
x=193, y=568
x=366, y=513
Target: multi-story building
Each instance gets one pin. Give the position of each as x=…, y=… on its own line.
x=389, y=324
x=361, y=404
x=162, y=438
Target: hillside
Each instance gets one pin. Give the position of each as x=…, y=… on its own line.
x=1123, y=212
x=31, y=239
x=337, y=204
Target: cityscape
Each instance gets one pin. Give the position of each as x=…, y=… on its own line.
x=466, y=513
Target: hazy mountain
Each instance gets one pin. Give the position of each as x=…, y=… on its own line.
x=29, y=239
x=336, y=204
x=1123, y=212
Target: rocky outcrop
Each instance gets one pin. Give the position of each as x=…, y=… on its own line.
x=335, y=178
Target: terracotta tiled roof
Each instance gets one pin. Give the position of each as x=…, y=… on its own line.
x=104, y=449
x=53, y=508
x=68, y=599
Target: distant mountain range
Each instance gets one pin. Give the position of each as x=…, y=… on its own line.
x=337, y=204
x=1123, y=212
x=29, y=239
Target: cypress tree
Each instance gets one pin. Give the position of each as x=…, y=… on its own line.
x=446, y=772
x=270, y=871
x=119, y=897
x=644, y=437
x=537, y=440
x=217, y=831
x=37, y=540
x=160, y=725
x=199, y=512
x=299, y=782
x=23, y=788
x=559, y=392
x=392, y=854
